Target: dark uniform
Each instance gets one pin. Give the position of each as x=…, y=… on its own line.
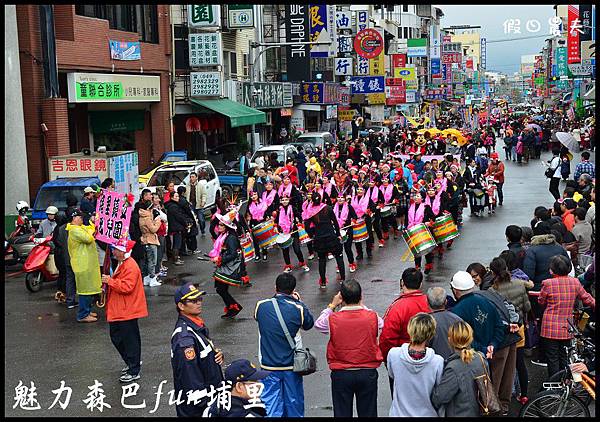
x=193, y=362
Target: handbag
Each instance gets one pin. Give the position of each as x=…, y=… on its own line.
x=305, y=363
x=486, y=397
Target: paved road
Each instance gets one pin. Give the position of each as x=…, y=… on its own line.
x=44, y=344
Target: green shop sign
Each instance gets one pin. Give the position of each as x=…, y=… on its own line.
x=99, y=90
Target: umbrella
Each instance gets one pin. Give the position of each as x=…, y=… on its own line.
x=455, y=132
x=432, y=131
x=519, y=113
x=567, y=140
x=536, y=126
x=538, y=118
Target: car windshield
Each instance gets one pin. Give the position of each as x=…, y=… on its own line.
x=57, y=196
x=161, y=177
x=279, y=155
x=312, y=139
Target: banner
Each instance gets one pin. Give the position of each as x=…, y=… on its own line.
x=424, y=158
x=113, y=214
x=296, y=29
x=322, y=29
x=573, y=32
x=312, y=92
x=125, y=50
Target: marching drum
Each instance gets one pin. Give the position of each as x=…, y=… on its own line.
x=265, y=234
x=359, y=231
x=247, y=247
x=302, y=234
x=284, y=240
x=444, y=229
x=386, y=211
x=419, y=240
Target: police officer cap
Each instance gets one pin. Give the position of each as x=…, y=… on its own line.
x=187, y=291
x=243, y=370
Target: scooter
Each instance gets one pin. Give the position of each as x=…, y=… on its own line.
x=39, y=265
x=18, y=246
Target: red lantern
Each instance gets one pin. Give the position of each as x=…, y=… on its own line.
x=204, y=124
x=192, y=124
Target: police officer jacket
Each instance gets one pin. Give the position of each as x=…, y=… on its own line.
x=193, y=362
x=240, y=408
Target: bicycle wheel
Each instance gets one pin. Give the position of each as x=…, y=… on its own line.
x=548, y=404
x=576, y=388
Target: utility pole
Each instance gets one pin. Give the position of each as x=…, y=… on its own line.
x=251, y=59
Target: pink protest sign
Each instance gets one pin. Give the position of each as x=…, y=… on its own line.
x=113, y=214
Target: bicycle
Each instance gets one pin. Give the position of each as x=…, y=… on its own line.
x=566, y=394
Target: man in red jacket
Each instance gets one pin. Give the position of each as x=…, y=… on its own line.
x=352, y=352
x=409, y=303
x=125, y=303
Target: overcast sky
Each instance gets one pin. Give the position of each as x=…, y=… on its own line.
x=503, y=56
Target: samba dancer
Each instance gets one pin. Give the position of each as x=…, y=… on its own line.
x=416, y=215
x=257, y=214
x=308, y=226
x=361, y=203
x=287, y=220
x=435, y=206
x=344, y=213
x=375, y=208
x=389, y=196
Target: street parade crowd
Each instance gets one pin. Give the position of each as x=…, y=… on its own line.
x=344, y=202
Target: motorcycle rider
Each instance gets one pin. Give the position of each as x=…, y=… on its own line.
x=22, y=224
x=49, y=224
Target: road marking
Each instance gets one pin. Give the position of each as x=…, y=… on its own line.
x=14, y=274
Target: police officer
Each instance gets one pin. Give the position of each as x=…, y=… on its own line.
x=196, y=362
x=246, y=387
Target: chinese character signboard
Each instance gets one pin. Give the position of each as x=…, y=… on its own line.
x=417, y=47
x=241, y=15
x=573, y=32
x=271, y=95
x=345, y=114
x=113, y=214
x=344, y=95
x=343, y=20
x=205, y=49
x=362, y=66
x=124, y=171
x=376, y=98
x=367, y=84
x=398, y=60
x=321, y=16
x=112, y=88
x=362, y=20
x=585, y=14
x=125, y=50
x=436, y=70
x=297, y=29
x=368, y=43
x=331, y=93
x=343, y=66
x=396, y=94
x=587, y=52
x=411, y=96
x=483, y=52
x=204, y=15
x=74, y=167
x=312, y=92
x=451, y=58
x=406, y=73
x=344, y=44
x=205, y=84
x=452, y=47
x=377, y=66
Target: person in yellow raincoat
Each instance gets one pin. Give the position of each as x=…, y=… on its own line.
x=85, y=264
x=313, y=164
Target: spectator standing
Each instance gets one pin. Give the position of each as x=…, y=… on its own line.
x=178, y=224
x=456, y=390
x=353, y=354
x=195, y=194
x=555, y=162
x=585, y=166
x=496, y=170
x=149, y=226
x=125, y=304
x=415, y=370
x=159, y=210
x=88, y=204
x=537, y=258
x=557, y=296
x=513, y=236
x=283, y=394
x=436, y=297
x=582, y=230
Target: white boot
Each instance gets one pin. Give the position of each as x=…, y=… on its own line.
x=154, y=282
x=147, y=280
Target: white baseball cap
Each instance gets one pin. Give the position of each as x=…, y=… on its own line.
x=89, y=189
x=462, y=280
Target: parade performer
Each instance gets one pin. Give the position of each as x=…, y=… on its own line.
x=390, y=196
x=344, y=213
x=308, y=226
x=403, y=201
x=375, y=207
x=257, y=214
x=287, y=221
x=227, y=256
x=328, y=189
x=416, y=215
x=361, y=202
x=270, y=197
x=288, y=189
x=326, y=236
x=435, y=206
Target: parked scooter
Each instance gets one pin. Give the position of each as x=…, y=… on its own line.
x=39, y=265
x=20, y=242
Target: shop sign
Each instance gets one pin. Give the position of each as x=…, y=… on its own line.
x=396, y=94
x=344, y=44
x=343, y=66
x=297, y=29
x=362, y=66
x=367, y=84
x=581, y=69
x=241, y=15
x=205, y=84
x=587, y=52
x=573, y=31
x=312, y=92
x=451, y=58
x=297, y=120
x=112, y=88
x=74, y=167
x=394, y=82
x=483, y=52
x=344, y=95
x=204, y=15
x=377, y=66
x=343, y=19
x=435, y=94
x=368, y=43
x=362, y=20
x=469, y=62
x=322, y=29
x=331, y=112
x=406, y=73
x=345, y=115
x=286, y=112
x=125, y=50
x=436, y=71
x=398, y=60
x=205, y=49
x=411, y=84
x=376, y=98
x=417, y=47
x=330, y=93
x=411, y=96
x=270, y=95
x=377, y=114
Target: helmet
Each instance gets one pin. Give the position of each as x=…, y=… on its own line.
x=52, y=210
x=22, y=207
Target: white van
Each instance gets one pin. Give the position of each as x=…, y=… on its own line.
x=318, y=139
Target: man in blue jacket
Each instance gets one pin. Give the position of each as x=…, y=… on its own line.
x=479, y=313
x=283, y=392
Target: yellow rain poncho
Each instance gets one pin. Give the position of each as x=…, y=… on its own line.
x=314, y=165
x=84, y=259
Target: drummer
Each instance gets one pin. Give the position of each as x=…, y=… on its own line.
x=416, y=215
x=270, y=197
x=361, y=203
x=308, y=226
x=435, y=206
x=402, y=201
x=375, y=208
x=345, y=214
x=390, y=196
x=257, y=214
x=287, y=220
x=288, y=189
x=328, y=188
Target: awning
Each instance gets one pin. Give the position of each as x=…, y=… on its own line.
x=239, y=114
x=591, y=94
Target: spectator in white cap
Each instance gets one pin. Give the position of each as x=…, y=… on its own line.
x=479, y=313
x=88, y=204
